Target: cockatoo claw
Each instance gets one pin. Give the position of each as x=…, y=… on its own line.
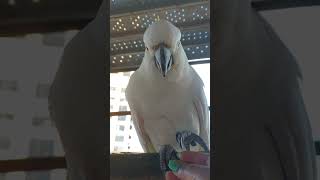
x=187, y=138
x=167, y=153
x=193, y=143
x=184, y=139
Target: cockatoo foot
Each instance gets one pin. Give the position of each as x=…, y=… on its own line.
x=187, y=138
x=167, y=153
x=184, y=139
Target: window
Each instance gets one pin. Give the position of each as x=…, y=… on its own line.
x=41, y=148
x=8, y=85
x=203, y=71
x=4, y=143
x=2, y=176
x=121, y=118
x=111, y=107
x=116, y=148
x=123, y=108
x=38, y=175
x=112, y=88
x=42, y=90
x=120, y=80
x=119, y=138
x=6, y=116
x=121, y=128
x=40, y=121
x=52, y=123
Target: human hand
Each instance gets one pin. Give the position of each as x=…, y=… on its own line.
x=191, y=166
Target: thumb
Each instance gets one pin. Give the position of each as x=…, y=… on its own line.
x=185, y=171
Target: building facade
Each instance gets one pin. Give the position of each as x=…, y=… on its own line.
x=27, y=67
x=123, y=136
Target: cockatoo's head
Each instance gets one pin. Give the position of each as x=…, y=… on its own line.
x=162, y=40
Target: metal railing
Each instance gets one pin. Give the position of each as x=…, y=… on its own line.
x=119, y=163
x=32, y=164
x=120, y=113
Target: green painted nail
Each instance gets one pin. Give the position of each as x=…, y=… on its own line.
x=174, y=165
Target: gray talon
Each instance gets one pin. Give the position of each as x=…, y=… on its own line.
x=167, y=153
x=187, y=138
x=184, y=139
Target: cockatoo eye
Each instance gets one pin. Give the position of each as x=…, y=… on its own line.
x=147, y=48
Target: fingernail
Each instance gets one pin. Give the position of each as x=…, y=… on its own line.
x=174, y=165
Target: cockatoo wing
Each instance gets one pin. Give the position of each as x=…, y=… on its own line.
x=201, y=106
x=136, y=115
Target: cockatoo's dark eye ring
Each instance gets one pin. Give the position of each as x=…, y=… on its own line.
x=147, y=48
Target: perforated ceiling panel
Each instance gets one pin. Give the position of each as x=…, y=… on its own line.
x=127, y=47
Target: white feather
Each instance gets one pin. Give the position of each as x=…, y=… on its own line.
x=171, y=104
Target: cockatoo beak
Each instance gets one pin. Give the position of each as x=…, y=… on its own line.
x=163, y=60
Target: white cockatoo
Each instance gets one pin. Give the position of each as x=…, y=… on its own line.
x=76, y=101
x=165, y=94
x=261, y=127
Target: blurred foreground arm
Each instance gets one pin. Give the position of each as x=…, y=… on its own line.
x=262, y=130
x=77, y=100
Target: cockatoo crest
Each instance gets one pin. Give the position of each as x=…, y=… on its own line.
x=159, y=32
